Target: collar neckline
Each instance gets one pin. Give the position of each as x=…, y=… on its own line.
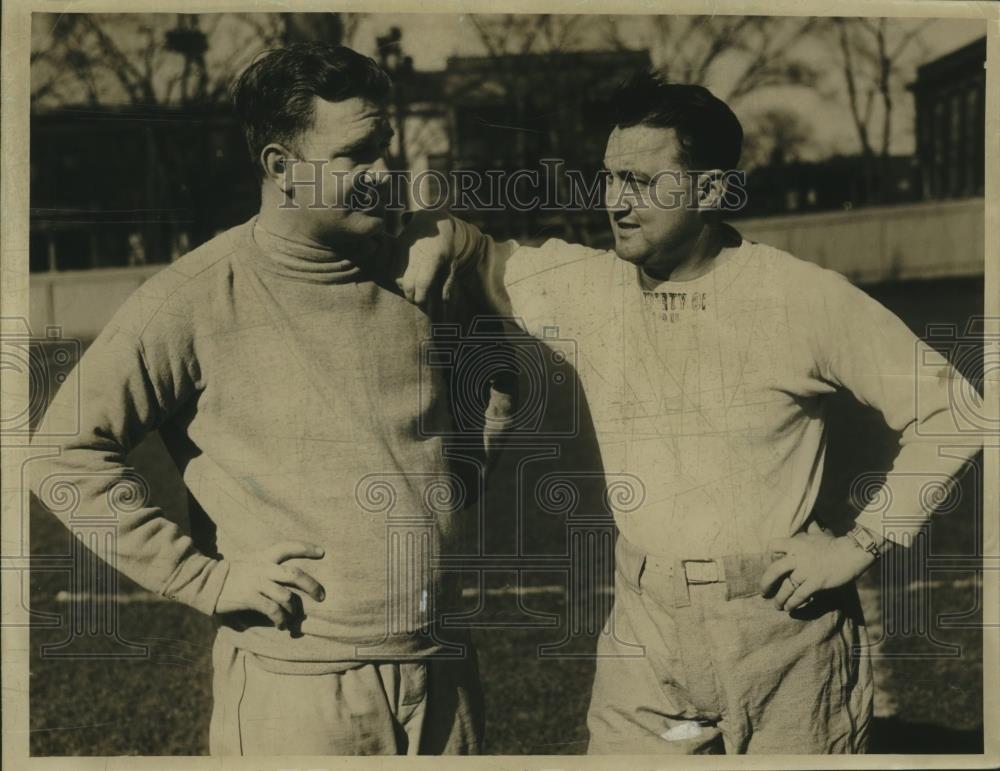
x=721, y=263
x=304, y=262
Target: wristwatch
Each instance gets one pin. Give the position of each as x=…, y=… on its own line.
x=865, y=540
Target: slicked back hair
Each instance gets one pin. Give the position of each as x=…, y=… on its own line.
x=708, y=132
x=274, y=96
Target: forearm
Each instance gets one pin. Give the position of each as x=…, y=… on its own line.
x=86, y=482
x=479, y=264
x=923, y=479
x=88, y=486
x=866, y=349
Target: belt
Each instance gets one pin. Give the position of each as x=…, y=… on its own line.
x=741, y=573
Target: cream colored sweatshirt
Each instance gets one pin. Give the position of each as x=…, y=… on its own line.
x=713, y=391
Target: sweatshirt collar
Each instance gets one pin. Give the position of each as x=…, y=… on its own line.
x=304, y=262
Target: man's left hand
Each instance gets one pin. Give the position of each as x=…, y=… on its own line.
x=812, y=561
x=427, y=241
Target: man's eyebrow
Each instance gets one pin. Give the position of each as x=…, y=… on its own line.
x=360, y=142
x=619, y=169
x=367, y=139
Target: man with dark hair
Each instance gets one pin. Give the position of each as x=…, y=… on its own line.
x=707, y=361
x=282, y=366
x=709, y=135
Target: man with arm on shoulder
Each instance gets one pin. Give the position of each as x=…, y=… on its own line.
x=707, y=361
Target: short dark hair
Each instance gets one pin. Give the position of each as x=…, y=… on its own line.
x=274, y=95
x=709, y=133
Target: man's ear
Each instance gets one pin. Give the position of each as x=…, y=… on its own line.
x=711, y=189
x=277, y=163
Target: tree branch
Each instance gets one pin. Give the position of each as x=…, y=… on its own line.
x=852, y=88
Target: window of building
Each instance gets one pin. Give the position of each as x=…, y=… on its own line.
x=938, y=143
x=38, y=251
x=955, y=165
x=73, y=249
x=972, y=119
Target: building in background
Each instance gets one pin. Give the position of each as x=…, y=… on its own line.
x=949, y=162
x=115, y=186
x=834, y=184
x=950, y=96
x=526, y=113
x=507, y=117
x=819, y=211
x=120, y=186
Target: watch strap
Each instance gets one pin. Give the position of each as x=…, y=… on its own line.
x=865, y=540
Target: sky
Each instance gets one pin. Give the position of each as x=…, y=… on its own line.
x=458, y=31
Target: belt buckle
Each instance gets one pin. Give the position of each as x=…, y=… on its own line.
x=702, y=571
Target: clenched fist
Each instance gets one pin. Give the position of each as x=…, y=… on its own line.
x=260, y=582
x=427, y=240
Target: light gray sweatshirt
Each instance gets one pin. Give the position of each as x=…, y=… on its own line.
x=291, y=390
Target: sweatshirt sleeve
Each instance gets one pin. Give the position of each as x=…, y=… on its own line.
x=135, y=375
x=535, y=285
x=861, y=346
x=481, y=264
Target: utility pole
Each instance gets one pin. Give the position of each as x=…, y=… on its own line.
x=400, y=69
x=190, y=42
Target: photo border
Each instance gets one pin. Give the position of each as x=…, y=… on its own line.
x=14, y=278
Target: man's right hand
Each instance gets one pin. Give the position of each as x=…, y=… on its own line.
x=260, y=582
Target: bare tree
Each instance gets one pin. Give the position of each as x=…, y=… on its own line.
x=540, y=96
x=159, y=59
x=737, y=55
x=509, y=33
x=775, y=137
x=181, y=63
x=874, y=57
x=762, y=51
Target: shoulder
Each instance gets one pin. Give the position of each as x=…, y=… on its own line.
x=556, y=260
x=559, y=283
x=791, y=277
x=170, y=298
x=187, y=274
x=832, y=312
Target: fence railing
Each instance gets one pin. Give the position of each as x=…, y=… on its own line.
x=81, y=301
x=940, y=239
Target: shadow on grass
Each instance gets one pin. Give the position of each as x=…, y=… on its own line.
x=892, y=735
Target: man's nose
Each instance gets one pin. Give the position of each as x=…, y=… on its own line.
x=615, y=201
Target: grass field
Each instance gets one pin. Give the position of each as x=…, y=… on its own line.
x=158, y=703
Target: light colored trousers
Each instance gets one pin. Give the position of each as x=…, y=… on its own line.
x=428, y=707
x=723, y=673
